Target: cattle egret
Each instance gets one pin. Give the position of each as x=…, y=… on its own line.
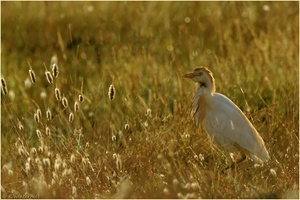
x=224, y=122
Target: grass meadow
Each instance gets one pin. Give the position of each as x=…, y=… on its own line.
x=66, y=136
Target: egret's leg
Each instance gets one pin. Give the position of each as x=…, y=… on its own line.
x=235, y=163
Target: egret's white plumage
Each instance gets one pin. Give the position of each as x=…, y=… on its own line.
x=224, y=122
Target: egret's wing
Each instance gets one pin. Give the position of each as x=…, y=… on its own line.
x=229, y=125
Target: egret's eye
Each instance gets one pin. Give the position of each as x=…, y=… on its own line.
x=200, y=73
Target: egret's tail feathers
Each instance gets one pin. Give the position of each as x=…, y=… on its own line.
x=260, y=157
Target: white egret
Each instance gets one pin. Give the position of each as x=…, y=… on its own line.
x=224, y=122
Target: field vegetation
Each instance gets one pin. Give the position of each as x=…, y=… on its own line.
x=113, y=119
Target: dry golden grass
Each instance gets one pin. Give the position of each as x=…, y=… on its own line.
x=141, y=142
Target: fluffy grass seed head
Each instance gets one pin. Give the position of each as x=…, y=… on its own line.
x=64, y=102
x=57, y=94
x=73, y=158
x=49, y=115
x=38, y=133
x=36, y=117
x=31, y=74
x=71, y=117
x=80, y=98
x=88, y=181
x=76, y=106
x=20, y=125
x=39, y=113
x=54, y=60
x=48, y=75
x=3, y=86
x=149, y=112
x=273, y=172
x=74, y=191
x=111, y=92
x=55, y=71
x=48, y=131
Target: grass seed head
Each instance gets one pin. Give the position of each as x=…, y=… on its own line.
x=27, y=167
x=111, y=92
x=43, y=95
x=20, y=125
x=36, y=117
x=127, y=127
x=73, y=158
x=27, y=83
x=38, y=133
x=49, y=77
x=32, y=74
x=87, y=145
x=71, y=117
x=64, y=102
x=57, y=94
x=33, y=151
x=39, y=113
x=3, y=82
x=49, y=115
x=76, y=106
x=3, y=86
x=273, y=172
x=53, y=60
x=149, y=112
x=46, y=162
x=55, y=70
x=74, y=191
x=48, y=131
x=88, y=181
x=113, y=138
x=80, y=98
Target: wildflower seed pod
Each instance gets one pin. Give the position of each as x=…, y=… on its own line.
x=49, y=77
x=57, y=94
x=71, y=117
x=111, y=92
x=55, y=70
x=3, y=86
x=76, y=106
x=80, y=98
x=49, y=115
x=127, y=126
x=64, y=102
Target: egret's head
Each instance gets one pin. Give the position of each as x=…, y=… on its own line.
x=203, y=76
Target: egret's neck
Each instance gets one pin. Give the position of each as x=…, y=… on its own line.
x=207, y=86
